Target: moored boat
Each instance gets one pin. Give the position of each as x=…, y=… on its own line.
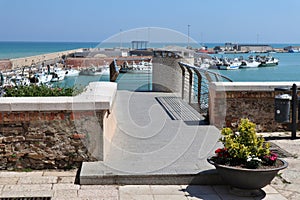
x=250, y=63
x=72, y=72
x=58, y=74
x=41, y=78
x=230, y=64
x=141, y=67
x=268, y=61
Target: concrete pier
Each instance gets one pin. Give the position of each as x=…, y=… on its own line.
x=34, y=60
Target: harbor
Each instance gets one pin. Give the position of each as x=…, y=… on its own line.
x=77, y=66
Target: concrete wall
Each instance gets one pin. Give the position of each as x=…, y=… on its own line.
x=56, y=132
x=167, y=74
x=231, y=101
x=38, y=59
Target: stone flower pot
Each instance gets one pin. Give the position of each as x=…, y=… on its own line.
x=247, y=182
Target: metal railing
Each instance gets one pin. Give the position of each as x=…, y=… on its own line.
x=195, y=85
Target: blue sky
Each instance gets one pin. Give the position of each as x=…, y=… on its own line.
x=247, y=21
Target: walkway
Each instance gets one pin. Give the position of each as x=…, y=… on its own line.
x=148, y=143
x=60, y=186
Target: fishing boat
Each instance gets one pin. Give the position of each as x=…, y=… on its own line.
x=250, y=63
x=58, y=74
x=18, y=80
x=230, y=64
x=94, y=71
x=268, y=61
x=141, y=67
x=41, y=78
x=72, y=72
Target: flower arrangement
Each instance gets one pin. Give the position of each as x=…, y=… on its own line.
x=244, y=148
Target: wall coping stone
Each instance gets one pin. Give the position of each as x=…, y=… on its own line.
x=249, y=86
x=97, y=96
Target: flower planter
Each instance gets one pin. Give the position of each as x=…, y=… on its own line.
x=247, y=179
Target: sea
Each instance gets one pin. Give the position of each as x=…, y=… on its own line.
x=287, y=70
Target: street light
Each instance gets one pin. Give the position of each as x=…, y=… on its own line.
x=189, y=35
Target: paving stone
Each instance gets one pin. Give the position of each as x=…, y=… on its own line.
x=170, y=197
x=98, y=193
x=67, y=198
x=196, y=190
x=66, y=193
x=39, y=193
x=71, y=173
x=274, y=197
x=167, y=190
x=135, y=190
x=269, y=190
x=67, y=179
x=28, y=187
x=8, y=180
x=38, y=180
x=20, y=174
x=136, y=197
x=65, y=187
x=99, y=187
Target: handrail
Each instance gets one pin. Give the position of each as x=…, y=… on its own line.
x=206, y=71
x=196, y=93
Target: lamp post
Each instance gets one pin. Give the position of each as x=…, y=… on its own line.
x=188, y=35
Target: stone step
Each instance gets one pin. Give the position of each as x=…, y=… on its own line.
x=96, y=173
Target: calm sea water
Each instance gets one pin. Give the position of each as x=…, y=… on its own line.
x=287, y=70
x=23, y=49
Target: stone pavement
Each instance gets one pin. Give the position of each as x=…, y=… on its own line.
x=289, y=180
x=60, y=185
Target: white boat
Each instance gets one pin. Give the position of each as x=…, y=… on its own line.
x=141, y=67
x=41, y=78
x=104, y=70
x=250, y=63
x=18, y=80
x=58, y=74
x=72, y=72
x=230, y=64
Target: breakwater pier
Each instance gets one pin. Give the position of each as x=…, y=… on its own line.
x=49, y=58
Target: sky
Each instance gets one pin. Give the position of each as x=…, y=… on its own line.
x=210, y=21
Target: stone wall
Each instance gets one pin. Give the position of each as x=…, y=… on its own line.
x=87, y=62
x=40, y=140
x=229, y=102
x=5, y=65
x=56, y=132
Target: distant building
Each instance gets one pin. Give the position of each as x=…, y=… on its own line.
x=253, y=47
x=141, y=52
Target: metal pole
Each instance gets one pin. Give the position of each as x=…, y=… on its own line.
x=189, y=35
x=294, y=110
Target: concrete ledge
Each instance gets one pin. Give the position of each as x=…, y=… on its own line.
x=97, y=96
x=100, y=177
x=249, y=86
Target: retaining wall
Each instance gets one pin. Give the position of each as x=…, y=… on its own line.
x=229, y=102
x=56, y=132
